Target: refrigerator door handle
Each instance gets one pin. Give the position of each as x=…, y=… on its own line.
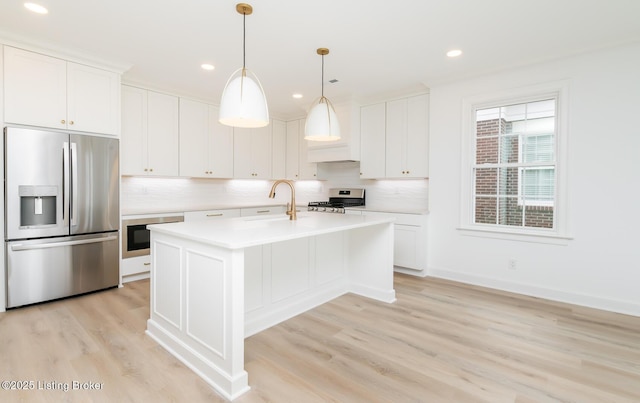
x=65, y=179
x=74, y=184
x=19, y=246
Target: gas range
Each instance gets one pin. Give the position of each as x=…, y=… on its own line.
x=338, y=200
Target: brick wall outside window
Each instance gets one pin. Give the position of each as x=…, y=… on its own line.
x=496, y=199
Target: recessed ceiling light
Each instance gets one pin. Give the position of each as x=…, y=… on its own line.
x=207, y=66
x=454, y=53
x=36, y=8
x=297, y=96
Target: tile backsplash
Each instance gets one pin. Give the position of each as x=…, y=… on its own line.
x=142, y=195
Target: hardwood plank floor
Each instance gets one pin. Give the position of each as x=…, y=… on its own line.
x=440, y=342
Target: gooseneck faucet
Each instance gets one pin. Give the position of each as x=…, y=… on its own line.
x=291, y=207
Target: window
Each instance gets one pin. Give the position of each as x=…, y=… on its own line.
x=514, y=168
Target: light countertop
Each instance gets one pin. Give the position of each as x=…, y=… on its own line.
x=242, y=232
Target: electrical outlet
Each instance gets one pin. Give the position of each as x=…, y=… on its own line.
x=512, y=264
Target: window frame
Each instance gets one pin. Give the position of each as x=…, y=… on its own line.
x=559, y=91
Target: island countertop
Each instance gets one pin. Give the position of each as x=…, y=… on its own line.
x=242, y=232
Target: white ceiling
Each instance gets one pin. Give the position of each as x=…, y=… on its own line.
x=377, y=47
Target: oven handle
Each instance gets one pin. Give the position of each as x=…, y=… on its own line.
x=19, y=246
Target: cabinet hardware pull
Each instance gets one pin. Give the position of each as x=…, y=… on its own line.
x=147, y=264
x=71, y=122
x=145, y=169
x=263, y=211
x=215, y=215
x=63, y=121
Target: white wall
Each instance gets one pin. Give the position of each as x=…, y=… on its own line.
x=600, y=266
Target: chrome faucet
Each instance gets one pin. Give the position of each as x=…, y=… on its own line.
x=291, y=208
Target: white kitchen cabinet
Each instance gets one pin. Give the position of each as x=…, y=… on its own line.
x=373, y=137
x=262, y=210
x=46, y=91
x=135, y=268
x=407, y=134
x=149, y=143
x=395, y=138
x=206, y=146
x=279, y=149
x=252, y=151
x=298, y=166
x=410, y=239
x=210, y=214
x=347, y=148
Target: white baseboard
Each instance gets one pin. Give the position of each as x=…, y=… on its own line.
x=606, y=304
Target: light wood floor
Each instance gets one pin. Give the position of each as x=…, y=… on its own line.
x=440, y=342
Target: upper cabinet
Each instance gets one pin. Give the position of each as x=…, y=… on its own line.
x=279, y=149
x=396, y=132
x=407, y=134
x=372, y=152
x=45, y=91
x=252, y=152
x=206, y=146
x=297, y=163
x=149, y=143
x=347, y=148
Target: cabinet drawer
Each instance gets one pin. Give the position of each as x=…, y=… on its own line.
x=210, y=214
x=135, y=265
x=251, y=211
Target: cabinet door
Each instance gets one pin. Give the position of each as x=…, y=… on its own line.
x=396, y=138
x=417, y=147
x=92, y=99
x=292, y=163
x=220, y=146
x=308, y=170
x=372, y=138
x=162, y=134
x=261, y=151
x=242, y=164
x=194, y=142
x=279, y=149
x=133, y=141
x=405, y=246
x=34, y=89
x=252, y=153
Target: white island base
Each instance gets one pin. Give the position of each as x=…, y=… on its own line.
x=213, y=283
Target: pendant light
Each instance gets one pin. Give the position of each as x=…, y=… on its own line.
x=243, y=102
x=322, y=122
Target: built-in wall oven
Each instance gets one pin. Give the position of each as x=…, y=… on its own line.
x=136, y=238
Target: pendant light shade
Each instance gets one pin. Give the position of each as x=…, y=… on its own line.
x=322, y=121
x=243, y=103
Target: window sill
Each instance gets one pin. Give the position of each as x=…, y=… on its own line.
x=550, y=238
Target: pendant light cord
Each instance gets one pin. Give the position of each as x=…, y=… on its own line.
x=244, y=39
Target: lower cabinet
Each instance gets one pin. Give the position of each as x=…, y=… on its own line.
x=135, y=268
x=254, y=211
x=410, y=240
x=210, y=214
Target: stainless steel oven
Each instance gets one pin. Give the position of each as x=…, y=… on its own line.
x=136, y=238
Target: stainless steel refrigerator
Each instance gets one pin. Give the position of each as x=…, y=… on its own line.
x=61, y=214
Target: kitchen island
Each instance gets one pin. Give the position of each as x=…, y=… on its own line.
x=213, y=283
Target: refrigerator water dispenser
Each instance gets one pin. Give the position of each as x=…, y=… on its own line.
x=37, y=205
